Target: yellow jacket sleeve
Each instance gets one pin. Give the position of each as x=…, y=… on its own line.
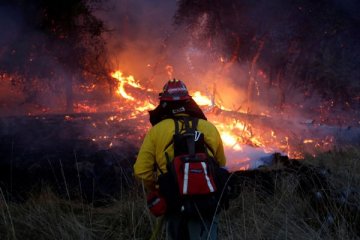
x=144, y=165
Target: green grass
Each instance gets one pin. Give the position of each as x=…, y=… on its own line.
x=253, y=215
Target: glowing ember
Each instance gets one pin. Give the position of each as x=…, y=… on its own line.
x=81, y=107
x=88, y=88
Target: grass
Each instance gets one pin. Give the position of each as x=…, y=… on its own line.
x=48, y=217
x=253, y=215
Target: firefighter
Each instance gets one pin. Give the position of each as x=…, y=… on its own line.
x=157, y=148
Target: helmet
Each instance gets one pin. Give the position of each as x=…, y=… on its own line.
x=174, y=90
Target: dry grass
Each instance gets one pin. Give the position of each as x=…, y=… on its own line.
x=49, y=217
x=253, y=215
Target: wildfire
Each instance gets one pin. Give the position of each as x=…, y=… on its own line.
x=244, y=142
x=235, y=134
x=146, y=106
x=231, y=141
x=141, y=105
x=130, y=80
x=201, y=99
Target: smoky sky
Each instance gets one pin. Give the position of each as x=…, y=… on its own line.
x=143, y=41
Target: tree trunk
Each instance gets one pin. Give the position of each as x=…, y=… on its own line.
x=252, y=69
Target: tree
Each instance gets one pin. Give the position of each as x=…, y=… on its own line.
x=59, y=42
x=303, y=45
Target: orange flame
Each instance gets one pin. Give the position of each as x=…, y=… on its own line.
x=235, y=134
x=125, y=80
x=140, y=106
x=201, y=99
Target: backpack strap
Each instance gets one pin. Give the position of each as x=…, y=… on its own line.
x=194, y=124
x=176, y=121
x=177, y=131
x=157, y=167
x=190, y=132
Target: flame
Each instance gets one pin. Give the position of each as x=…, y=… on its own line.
x=201, y=99
x=238, y=136
x=125, y=80
x=230, y=140
x=234, y=134
x=145, y=107
x=169, y=70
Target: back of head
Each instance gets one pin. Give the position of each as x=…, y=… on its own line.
x=175, y=99
x=174, y=90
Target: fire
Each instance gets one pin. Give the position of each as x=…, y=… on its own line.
x=125, y=80
x=140, y=106
x=145, y=107
x=229, y=140
x=244, y=140
x=235, y=134
x=201, y=99
x=88, y=88
x=81, y=107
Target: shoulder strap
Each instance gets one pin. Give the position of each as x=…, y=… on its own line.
x=190, y=131
x=157, y=167
x=176, y=121
x=194, y=123
x=186, y=124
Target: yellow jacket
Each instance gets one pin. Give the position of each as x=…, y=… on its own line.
x=159, y=136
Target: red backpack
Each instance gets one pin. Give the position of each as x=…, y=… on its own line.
x=191, y=184
x=191, y=164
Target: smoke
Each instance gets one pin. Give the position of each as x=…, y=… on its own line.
x=138, y=37
x=31, y=78
x=248, y=158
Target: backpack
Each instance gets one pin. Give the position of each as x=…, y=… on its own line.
x=194, y=184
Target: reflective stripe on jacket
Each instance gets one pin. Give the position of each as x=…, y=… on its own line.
x=159, y=137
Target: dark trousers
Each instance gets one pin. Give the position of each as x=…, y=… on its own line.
x=179, y=227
